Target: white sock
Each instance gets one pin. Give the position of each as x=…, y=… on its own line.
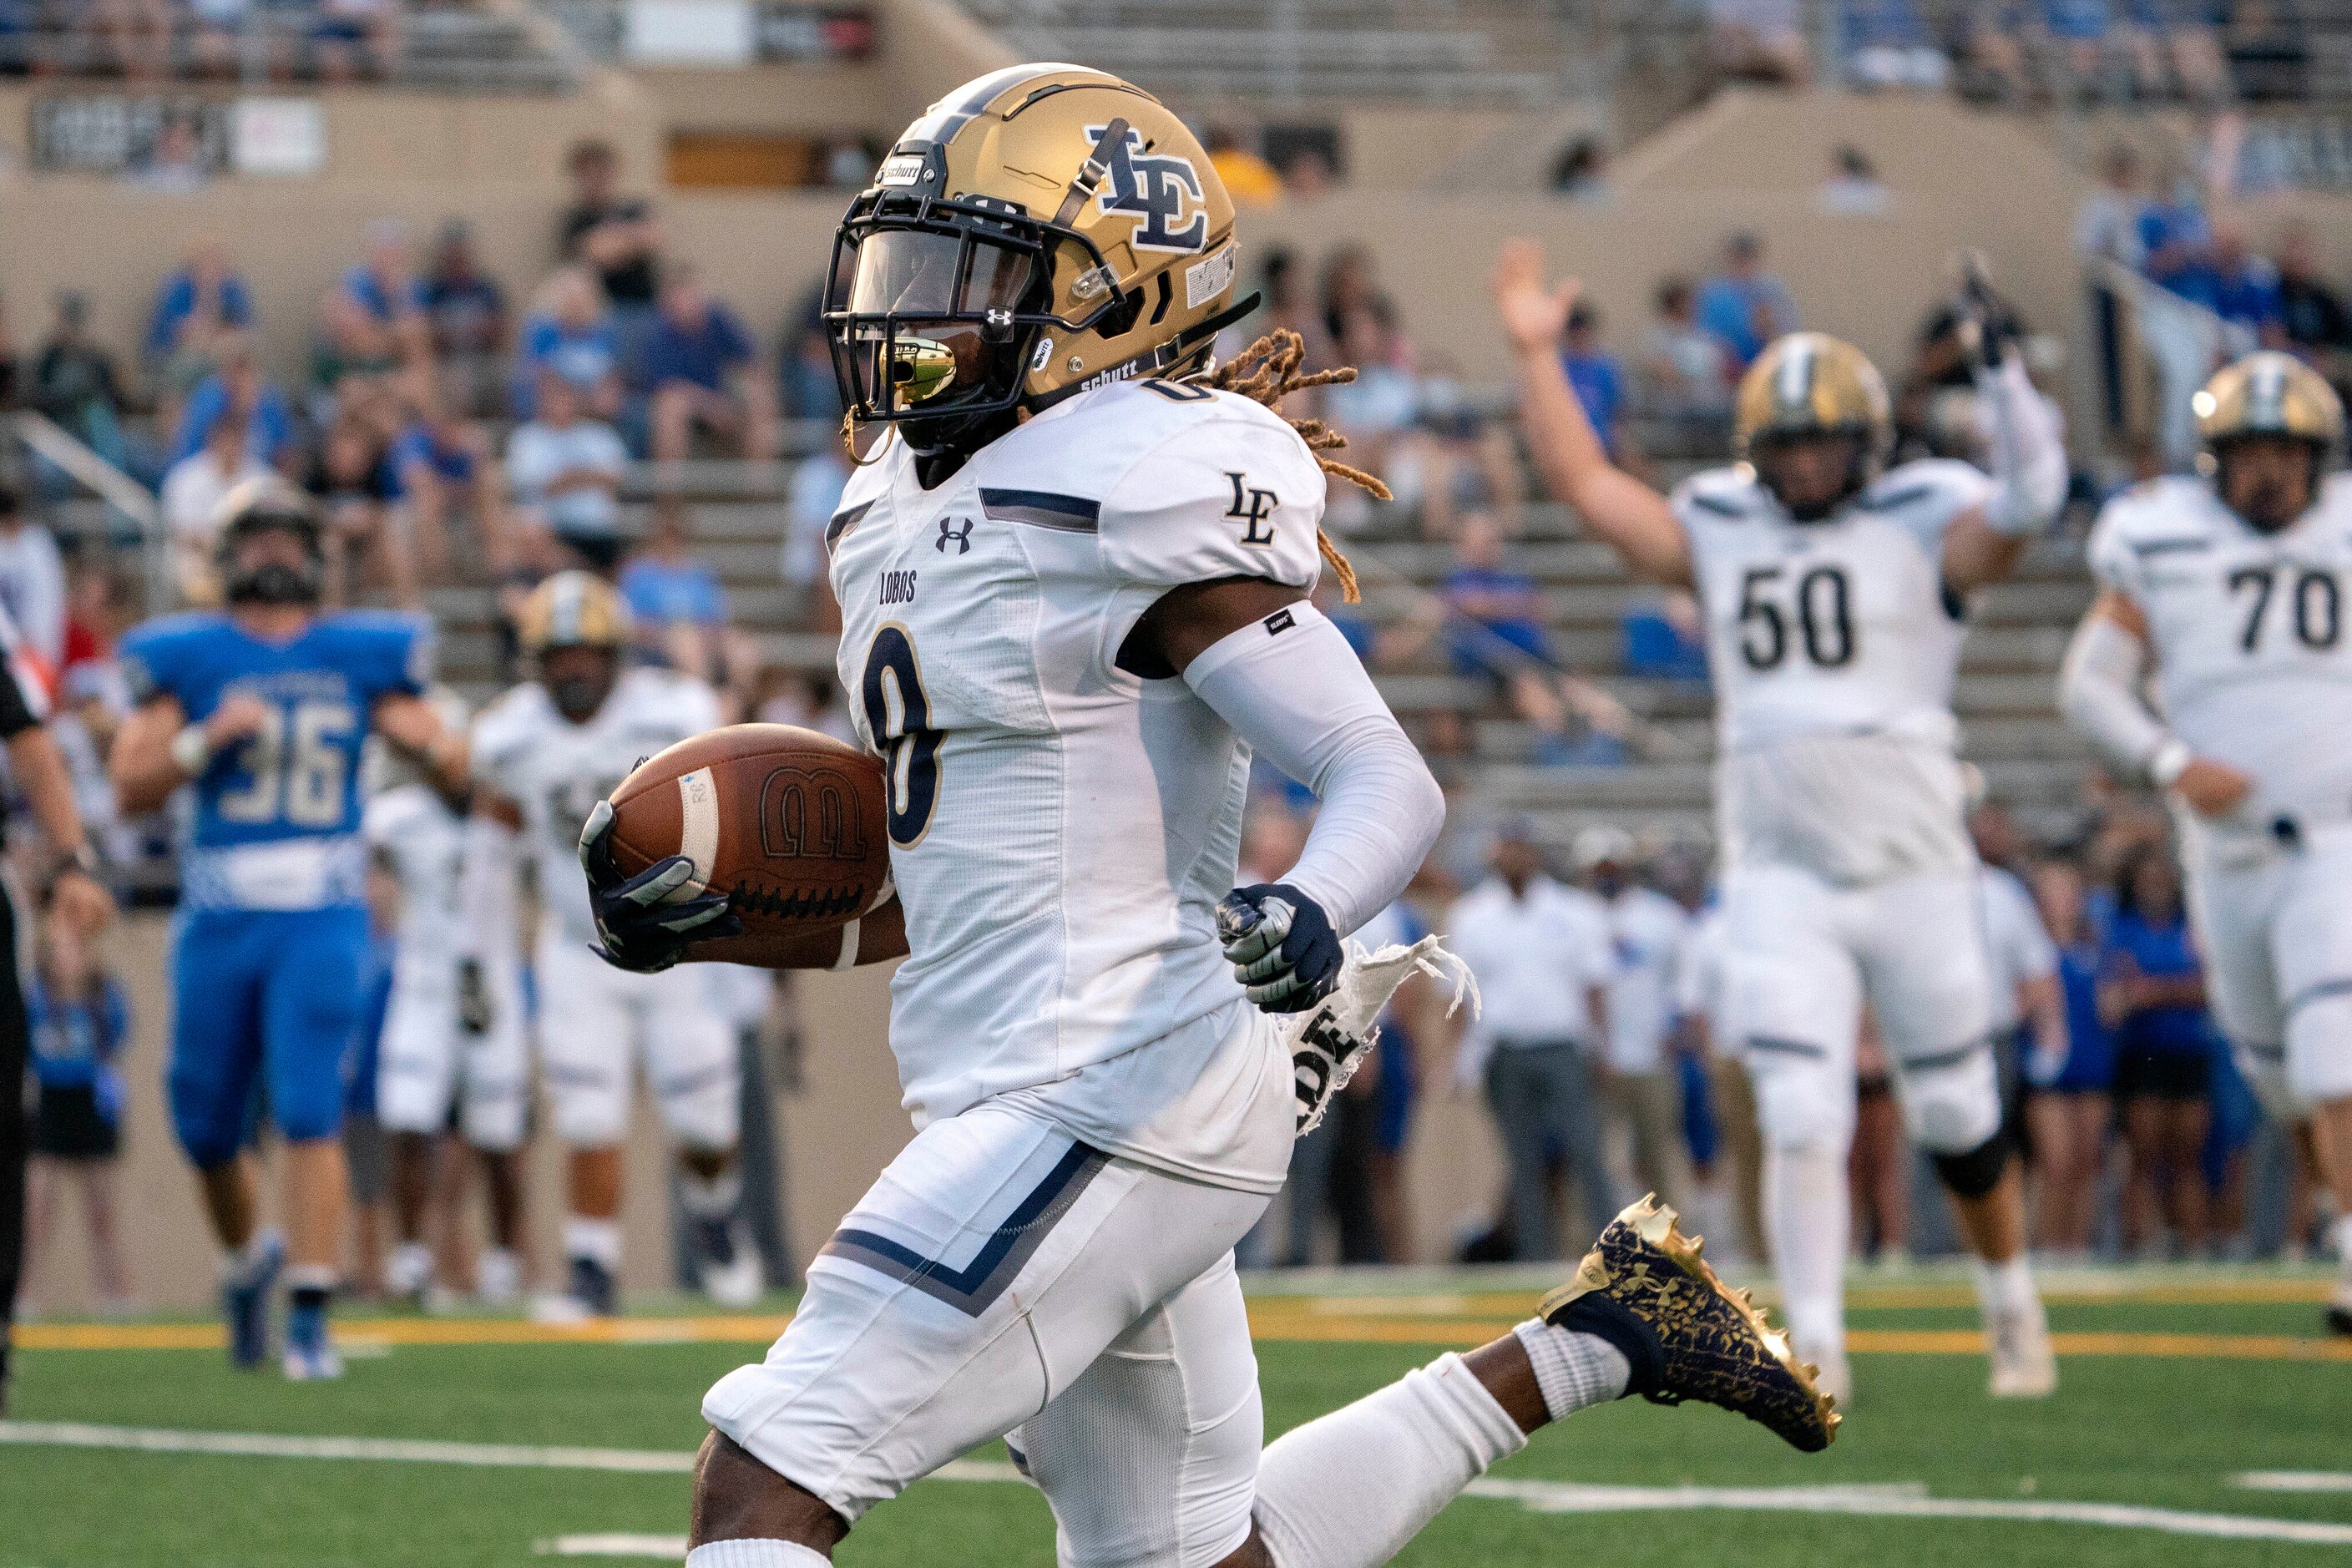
x=1349, y=1490
x=2342, y=1231
x=754, y=1554
x=2005, y=1290
x=410, y=1267
x=1809, y=1213
x=499, y=1276
x=1573, y=1370
x=597, y=1240
x=710, y=1197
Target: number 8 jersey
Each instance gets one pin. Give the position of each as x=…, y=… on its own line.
x=1834, y=648
x=1060, y=828
x=2254, y=666
x=277, y=819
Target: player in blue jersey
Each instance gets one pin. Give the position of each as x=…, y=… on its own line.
x=263, y=707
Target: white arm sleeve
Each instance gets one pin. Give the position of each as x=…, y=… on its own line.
x=487, y=888
x=1292, y=687
x=2026, y=438
x=2099, y=693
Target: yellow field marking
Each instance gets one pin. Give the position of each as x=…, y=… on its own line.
x=1865, y=1297
x=1291, y=1321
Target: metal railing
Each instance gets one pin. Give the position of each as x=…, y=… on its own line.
x=125, y=507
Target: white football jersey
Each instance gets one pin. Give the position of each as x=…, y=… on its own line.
x=424, y=840
x=556, y=770
x=1060, y=829
x=1834, y=646
x=2253, y=665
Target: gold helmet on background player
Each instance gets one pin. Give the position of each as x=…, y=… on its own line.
x=575, y=628
x=2274, y=397
x=1809, y=388
x=1039, y=231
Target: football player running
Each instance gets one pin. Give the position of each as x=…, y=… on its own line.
x=263, y=709
x=1835, y=597
x=453, y=1035
x=1075, y=571
x=2232, y=586
x=545, y=753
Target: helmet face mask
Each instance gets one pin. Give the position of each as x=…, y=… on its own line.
x=2268, y=423
x=2268, y=479
x=934, y=308
x=1812, y=473
x=272, y=552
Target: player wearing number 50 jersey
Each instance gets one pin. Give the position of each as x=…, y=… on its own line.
x=1836, y=596
x=262, y=710
x=1073, y=577
x=2233, y=587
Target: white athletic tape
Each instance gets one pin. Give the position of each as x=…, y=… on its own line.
x=698, y=830
x=1898, y=1500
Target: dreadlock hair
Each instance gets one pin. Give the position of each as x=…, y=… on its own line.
x=1267, y=372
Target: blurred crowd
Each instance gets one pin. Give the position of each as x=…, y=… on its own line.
x=1599, y=970
x=249, y=40
x=2204, y=52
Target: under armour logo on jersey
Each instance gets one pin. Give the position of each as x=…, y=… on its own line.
x=1159, y=190
x=951, y=534
x=1254, y=509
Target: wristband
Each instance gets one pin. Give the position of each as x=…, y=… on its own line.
x=192, y=751
x=2169, y=761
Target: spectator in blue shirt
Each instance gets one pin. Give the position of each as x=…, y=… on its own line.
x=1744, y=305
x=2246, y=286
x=197, y=305
x=675, y=600
x=697, y=370
x=1598, y=378
x=239, y=388
x=465, y=315
x=437, y=471
x=79, y=1019
x=2070, y=1100
x=2176, y=243
x=2152, y=993
x=374, y=315
x=570, y=333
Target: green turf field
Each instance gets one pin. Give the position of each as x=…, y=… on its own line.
x=2177, y=1388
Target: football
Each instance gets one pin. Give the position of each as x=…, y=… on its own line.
x=789, y=824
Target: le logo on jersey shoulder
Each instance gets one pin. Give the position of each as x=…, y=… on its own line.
x=1253, y=508
x=1161, y=190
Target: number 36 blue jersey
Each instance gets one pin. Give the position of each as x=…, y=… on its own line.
x=277, y=821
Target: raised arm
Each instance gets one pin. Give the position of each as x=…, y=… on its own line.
x=2026, y=455
x=1631, y=517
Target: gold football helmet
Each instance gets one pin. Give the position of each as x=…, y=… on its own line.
x=572, y=609
x=1041, y=230
x=1809, y=385
x=2268, y=393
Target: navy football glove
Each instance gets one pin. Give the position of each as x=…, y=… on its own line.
x=1282, y=946
x=638, y=924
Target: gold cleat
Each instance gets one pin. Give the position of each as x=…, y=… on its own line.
x=1687, y=1334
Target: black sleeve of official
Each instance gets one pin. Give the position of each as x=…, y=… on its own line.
x=18, y=711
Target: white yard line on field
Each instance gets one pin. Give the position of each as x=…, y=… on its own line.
x=2297, y=1481
x=1890, y=1501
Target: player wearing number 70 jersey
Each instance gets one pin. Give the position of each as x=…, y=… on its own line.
x=2233, y=587
x=263, y=709
x=1836, y=596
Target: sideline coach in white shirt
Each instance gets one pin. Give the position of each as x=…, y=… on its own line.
x=1541, y=955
